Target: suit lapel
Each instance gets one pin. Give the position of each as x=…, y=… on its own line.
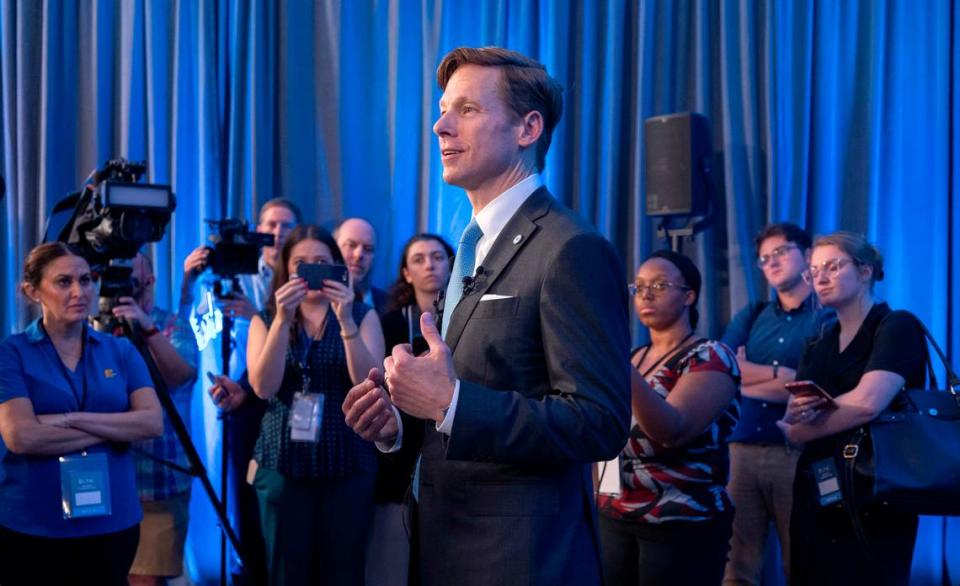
x=514, y=236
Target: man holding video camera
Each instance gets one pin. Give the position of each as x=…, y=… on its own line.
x=164, y=492
x=231, y=392
x=278, y=217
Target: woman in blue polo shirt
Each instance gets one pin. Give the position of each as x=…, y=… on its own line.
x=70, y=399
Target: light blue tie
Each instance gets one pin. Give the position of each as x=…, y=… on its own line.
x=463, y=266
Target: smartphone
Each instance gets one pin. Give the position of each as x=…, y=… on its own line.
x=315, y=274
x=808, y=387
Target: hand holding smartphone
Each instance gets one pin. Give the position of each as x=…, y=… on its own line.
x=808, y=387
x=316, y=273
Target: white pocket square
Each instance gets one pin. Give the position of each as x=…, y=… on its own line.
x=494, y=297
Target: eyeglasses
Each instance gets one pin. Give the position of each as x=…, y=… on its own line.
x=830, y=268
x=777, y=252
x=655, y=288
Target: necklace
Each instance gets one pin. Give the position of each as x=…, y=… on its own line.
x=656, y=364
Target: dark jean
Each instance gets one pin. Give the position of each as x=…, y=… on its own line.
x=825, y=550
x=677, y=553
x=101, y=560
x=315, y=530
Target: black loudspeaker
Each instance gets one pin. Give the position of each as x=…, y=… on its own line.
x=677, y=152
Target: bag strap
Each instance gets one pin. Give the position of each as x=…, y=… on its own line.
x=682, y=353
x=953, y=382
x=852, y=448
x=850, y=452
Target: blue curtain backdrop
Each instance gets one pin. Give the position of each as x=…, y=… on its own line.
x=829, y=114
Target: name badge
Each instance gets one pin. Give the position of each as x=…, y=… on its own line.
x=85, y=485
x=609, y=474
x=828, y=484
x=305, y=417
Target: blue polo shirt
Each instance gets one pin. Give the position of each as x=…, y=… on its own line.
x=775, y=337
x=30, y=492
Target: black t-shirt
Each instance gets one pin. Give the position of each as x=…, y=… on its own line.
x=887, y=340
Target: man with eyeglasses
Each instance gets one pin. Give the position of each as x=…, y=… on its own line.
x=769, y=338
x=278, y=217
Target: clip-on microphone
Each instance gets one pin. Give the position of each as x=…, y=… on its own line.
x=471, y=283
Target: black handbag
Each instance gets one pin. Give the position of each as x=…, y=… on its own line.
x=908, y=458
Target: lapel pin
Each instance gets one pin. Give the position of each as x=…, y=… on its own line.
x=517, y=239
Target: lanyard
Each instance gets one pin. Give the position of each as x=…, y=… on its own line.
x=81, y=366
x=662, y=358
x=302, y=363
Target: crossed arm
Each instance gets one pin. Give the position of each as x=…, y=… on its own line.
x=697, y=400
x=26, y=433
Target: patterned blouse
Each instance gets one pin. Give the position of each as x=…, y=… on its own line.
x=339, y=451
x=661, y=484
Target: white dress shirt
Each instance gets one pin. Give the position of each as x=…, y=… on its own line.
x=491, y=219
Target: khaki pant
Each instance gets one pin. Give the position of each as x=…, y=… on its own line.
x=162, y=535
x=761, y=486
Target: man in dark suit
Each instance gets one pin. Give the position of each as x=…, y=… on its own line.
x=530, y=381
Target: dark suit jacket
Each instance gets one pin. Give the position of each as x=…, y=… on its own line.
x=507, y=498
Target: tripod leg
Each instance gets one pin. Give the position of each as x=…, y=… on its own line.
x=197, y=468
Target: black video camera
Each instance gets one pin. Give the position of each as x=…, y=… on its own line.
x=236, y=248
x=109, y=220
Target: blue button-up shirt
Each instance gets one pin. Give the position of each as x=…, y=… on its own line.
x=774, y=337
x=257, y=287
x=157, y=481
x=30, y=494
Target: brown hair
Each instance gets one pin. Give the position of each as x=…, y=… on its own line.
x=857, y=248
x=525, y=86
x=401, y=292
x=786, y=230
x=39, y=258
x=298, y=235
x=280, y=202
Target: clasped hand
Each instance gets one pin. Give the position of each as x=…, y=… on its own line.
x=421, y=386
x=368, y=412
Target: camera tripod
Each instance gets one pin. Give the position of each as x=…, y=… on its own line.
x=196, y=467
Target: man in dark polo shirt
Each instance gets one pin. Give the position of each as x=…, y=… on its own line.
x=769, y=338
